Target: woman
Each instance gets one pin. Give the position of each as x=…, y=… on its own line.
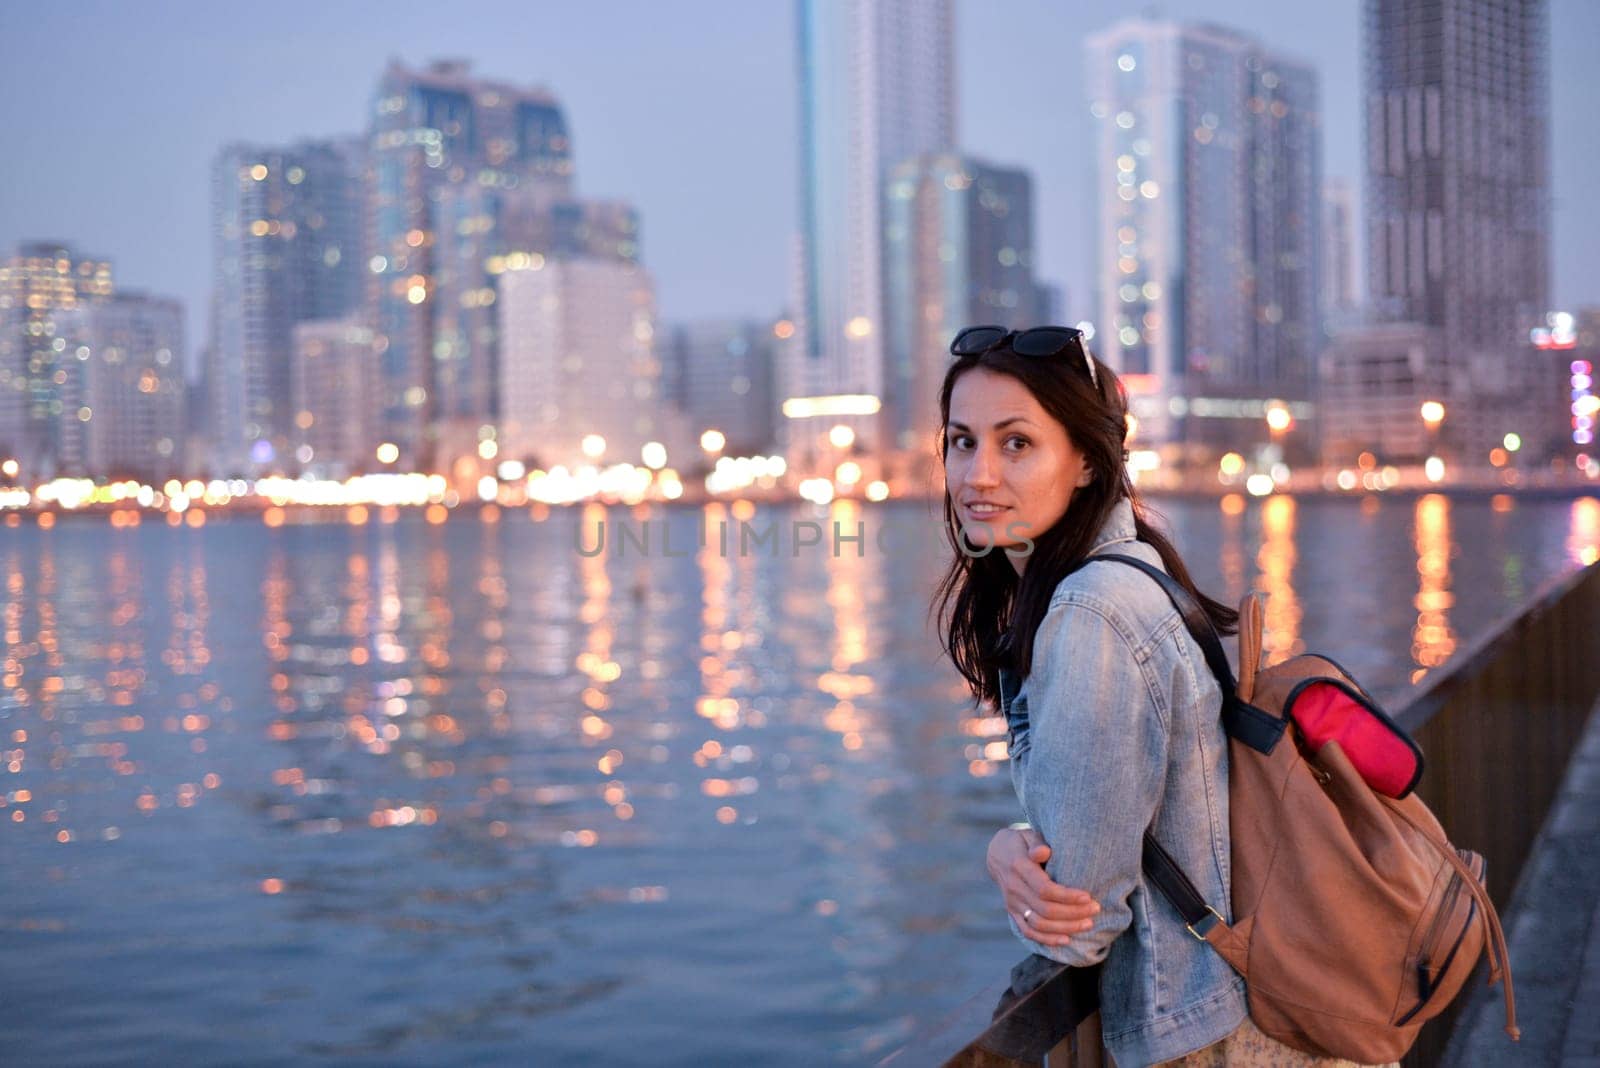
x=1113, y=715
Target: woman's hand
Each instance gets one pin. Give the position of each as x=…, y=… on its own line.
x=1046, y=912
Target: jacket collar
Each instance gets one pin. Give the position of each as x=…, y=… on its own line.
x=1118, y=527
x=1116, y=530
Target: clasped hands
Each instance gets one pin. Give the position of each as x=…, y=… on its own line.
x=1045, y=911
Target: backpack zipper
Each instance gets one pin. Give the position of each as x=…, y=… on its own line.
x=1446, y=907
x=1426, y=986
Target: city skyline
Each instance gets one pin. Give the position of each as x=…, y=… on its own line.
x=717, y=248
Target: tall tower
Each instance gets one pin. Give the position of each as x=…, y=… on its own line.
x=435, y=131
x=287, y=233
x=876, y=88
x=38, y=282
x=1209, y=165
x=1458, y=192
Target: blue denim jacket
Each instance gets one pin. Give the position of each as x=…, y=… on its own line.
x=1115, y=730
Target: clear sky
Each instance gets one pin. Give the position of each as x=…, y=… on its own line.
x=112, y=113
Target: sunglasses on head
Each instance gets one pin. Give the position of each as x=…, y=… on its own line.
x=1038, y=341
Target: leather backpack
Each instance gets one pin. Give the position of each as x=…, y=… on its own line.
x=1355, y=921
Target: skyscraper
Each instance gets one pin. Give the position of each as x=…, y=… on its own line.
x=477, y=232
x=288, y=223
x=123, y=388
x=578, y=358
x=433, y=131
x=876, y=87
x=958, y=251
x=1208, y=156
x=1458, y=192
x=38, y=281
x=483, y=232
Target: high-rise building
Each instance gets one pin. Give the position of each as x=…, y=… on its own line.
x=38, y=281
x=484, y=231
x=719, y=373
x=1458, y=192
x=958, y=251
x=122, y=383
x=435, y=131
x=578, y=358
x=288, y=234
x=876, y=88
x=335, y=365
x=1338, y=276
x=476, y=235
x=1208, y=157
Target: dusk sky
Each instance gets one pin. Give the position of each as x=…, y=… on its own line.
x=687, y=109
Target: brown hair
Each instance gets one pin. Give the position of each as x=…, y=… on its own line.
x=987, y=612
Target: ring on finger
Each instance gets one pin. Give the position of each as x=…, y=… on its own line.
x=1027, y=915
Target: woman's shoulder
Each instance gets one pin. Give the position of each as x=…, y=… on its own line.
x=1126, y=596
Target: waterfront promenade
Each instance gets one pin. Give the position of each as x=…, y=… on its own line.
x=1553, y=926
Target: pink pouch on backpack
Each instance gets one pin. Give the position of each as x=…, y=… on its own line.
x=1325, y=710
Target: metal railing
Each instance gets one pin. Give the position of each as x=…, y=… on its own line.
x=1497, y=725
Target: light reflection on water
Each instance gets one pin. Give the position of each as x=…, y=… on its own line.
x=447, y=790
x=1433, y=638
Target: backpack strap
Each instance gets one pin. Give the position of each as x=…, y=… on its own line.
x=1249, y=645
x=1195, y=619
x=1169, y=878
x=1241, y=720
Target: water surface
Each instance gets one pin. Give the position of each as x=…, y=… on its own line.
x=398, y=792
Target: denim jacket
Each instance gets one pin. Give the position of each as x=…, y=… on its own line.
x=1115, y=730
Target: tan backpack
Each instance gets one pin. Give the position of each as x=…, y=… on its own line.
x=1355, y=921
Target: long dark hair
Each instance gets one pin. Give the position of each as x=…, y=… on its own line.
x=987, y=612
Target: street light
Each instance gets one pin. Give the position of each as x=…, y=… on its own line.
x=1432, y=415
x=1278, y=417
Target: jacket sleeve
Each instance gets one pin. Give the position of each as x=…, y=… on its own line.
x=1093, y=765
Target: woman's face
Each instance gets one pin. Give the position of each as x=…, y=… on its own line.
x=1010, y=468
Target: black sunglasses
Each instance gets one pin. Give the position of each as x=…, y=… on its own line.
x=1038, y=341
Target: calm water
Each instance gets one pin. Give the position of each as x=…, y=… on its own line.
x=402, y=793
